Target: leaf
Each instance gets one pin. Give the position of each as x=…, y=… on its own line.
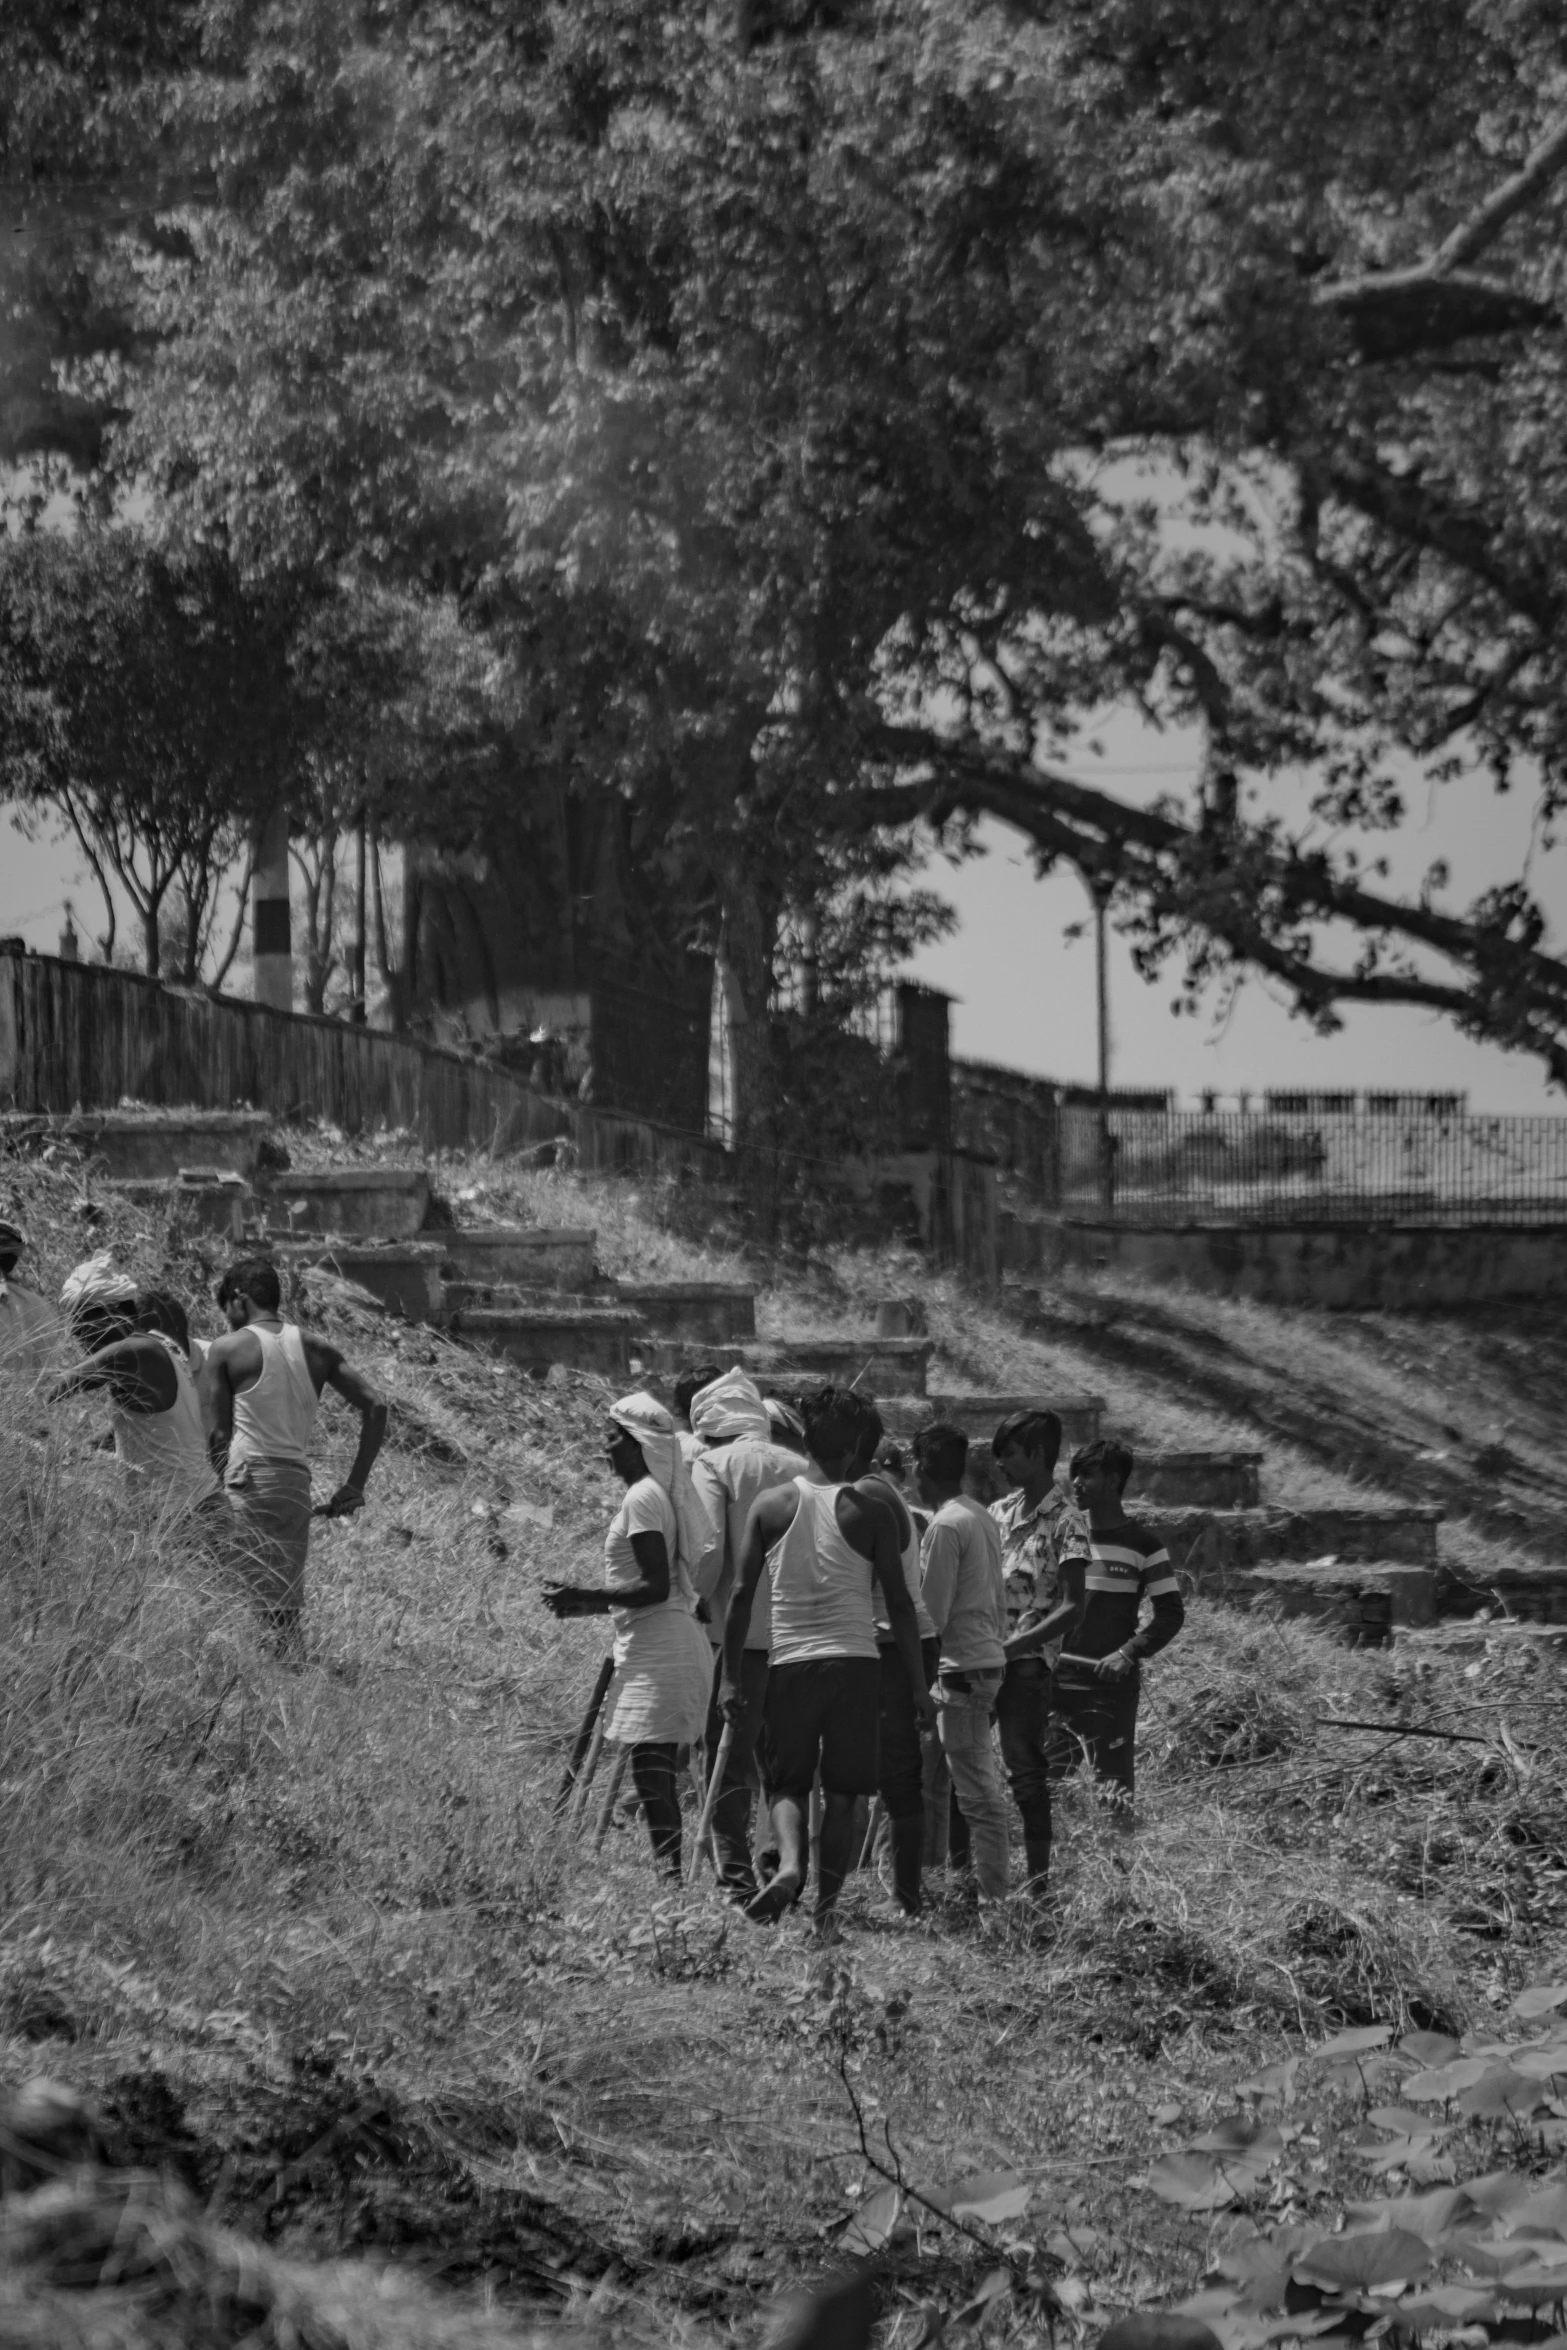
x=1543, y=2063
x=1275, y=2080
x=1369, y=2260
x=1427, y=2216
x=989, y=2292
x=872, y=2225
x=1194, y=2182
x=1447, y=2080
x=1239, y=2134
x=1431, y=2048
x=1498, y=2192
x=1537, y=2285
x=1543, y=2214
x=992, y=2196
x=1540, y=1999
x=1405, y=2124
x=1442, y=2306
x=1399, y=2153
x=1500, y=2091
x=1355, y=2043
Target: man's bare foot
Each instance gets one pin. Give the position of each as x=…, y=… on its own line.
x=780, y=1893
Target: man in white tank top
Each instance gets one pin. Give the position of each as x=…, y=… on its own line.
x=824, y=1547
x=260, y=1385
x=140, y=1356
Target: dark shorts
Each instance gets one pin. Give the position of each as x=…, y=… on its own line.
x=821, y=1716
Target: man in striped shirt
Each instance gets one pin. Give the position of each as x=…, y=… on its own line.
x=1098, y=1678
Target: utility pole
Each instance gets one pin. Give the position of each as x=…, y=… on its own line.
x=359, y=1010
x=1101, y=896
x=271, y=943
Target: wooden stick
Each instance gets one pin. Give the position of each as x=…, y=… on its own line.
x=578, y=1809
x=607, y=1813
x=715, y=1787
x=1401, y=1730
x=606, y=1674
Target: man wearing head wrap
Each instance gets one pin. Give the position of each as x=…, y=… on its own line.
x=657, y=1701
x=139, y=1354
x=741, y=1460
x=30, y=1330
x=825, y=1547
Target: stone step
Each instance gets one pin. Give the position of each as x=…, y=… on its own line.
x=349, y=1203
x=978, y=1415
x=874, y=1367
x=525, y=1256
x=1337, y=1594
x=404, y=1274
x=212, y=1206
x=1214, y=1480
x=585, y=1338
x=1213, y=1546
x=142, y=1146
x=697, y=1313
x=1530, y=1594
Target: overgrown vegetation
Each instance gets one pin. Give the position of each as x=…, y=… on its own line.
x=314, y=1942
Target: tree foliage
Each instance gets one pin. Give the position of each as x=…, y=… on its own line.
x=760, y=393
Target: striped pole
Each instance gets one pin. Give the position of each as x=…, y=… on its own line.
x=271, y=947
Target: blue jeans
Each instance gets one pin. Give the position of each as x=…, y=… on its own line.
x=967, y=1703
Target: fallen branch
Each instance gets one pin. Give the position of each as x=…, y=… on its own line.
x=1402, y=1730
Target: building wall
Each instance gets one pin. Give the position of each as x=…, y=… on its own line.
x=1369, y=1266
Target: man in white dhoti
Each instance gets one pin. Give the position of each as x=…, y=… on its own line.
x=657, y=1701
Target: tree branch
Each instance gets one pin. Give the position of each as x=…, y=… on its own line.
x=1545, y=162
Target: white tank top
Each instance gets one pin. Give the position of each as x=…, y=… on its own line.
x=169, y=1447
x=821, y=1585
x=913, y=1576
x=273, y=1419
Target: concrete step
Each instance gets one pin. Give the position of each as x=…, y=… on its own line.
x=978, y=1415
x=526, y=1256
x=874, y=1367
x=141, y=1146
x=1213, y=1546
x=404, y=1274
x=350, y=1203
x=1213, y=1480
x=696, y=1313
x=1337, y=1594
x=1531, y=1594
x=212, y=1206
x=585, y=1338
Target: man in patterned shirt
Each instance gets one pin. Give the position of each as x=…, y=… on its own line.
x=1097, y=1682
x=1044, y=1542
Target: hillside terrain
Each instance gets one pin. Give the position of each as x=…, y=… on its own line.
x=313, y=1942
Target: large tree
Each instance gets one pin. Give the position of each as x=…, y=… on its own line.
x=758, y=383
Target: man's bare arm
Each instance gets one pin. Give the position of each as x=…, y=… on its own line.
x=772, y=1514
x=882, y=1548
x=355, y=1389
x=215, y=1394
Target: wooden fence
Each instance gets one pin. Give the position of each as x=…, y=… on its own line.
x=80, y=1036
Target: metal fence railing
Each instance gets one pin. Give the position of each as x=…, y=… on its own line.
x=1180, y=1166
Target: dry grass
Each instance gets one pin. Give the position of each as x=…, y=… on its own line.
x=332, y=1908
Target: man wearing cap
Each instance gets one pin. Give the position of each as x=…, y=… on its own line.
x=1044, y=1546
x=30, y=1329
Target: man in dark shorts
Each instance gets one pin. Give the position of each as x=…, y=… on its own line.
x=824, y=1546
x=1098, y=1678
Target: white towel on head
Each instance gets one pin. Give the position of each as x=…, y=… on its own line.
x=97, y=1281
x=647, y=1421
x=732, y=1406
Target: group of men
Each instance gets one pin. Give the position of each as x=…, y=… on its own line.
x=872, y=1645
x=215, y=1434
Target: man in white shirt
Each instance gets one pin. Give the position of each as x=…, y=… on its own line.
x=966, y=1600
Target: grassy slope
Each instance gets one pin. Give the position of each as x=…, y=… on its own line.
x=330, y=1912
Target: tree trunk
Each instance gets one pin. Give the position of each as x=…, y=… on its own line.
x=152, y=945
x=746, y=944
